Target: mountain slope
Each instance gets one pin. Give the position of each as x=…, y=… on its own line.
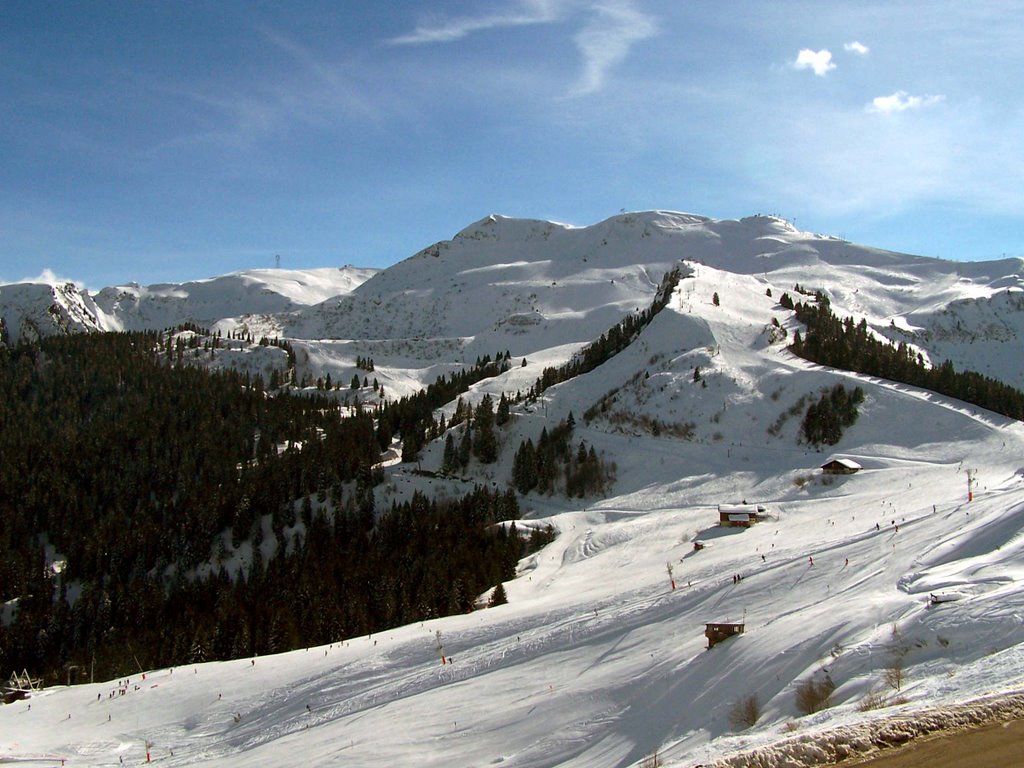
x=596, y=660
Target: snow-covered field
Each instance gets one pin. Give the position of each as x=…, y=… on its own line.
x=596, y=660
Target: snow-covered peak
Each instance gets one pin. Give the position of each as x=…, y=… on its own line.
x=32, y=310
x=39, y=307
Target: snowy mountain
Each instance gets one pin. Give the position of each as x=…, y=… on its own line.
x=31, y=310
x=528, y=286
x=599, y=658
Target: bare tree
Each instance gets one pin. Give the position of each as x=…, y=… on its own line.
x=813, y=696
x=745, y=712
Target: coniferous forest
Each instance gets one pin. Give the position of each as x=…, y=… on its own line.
x=130, y=485
x=843, y=343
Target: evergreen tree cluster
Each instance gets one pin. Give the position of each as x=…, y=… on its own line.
x=412, y=418
x=202, y=344
x=826, y=419
x=478, y=437
x=132, y=469
x=613, y=341
x=98, y=433
x=278, y=378
x=551, y=465
x=364, y=363
x=843, y=343
x=346, y=577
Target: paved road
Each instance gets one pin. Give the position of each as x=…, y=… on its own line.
x=997, y=745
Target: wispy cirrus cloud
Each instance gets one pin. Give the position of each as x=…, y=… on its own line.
x=818, y=61
x=611, y=29
x=856, y=47
x=300, y=87
x=901, y=101
x=526, y=13
x=606, y=40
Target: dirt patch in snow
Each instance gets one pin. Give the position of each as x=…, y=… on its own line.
x=863, y=743
x=995, y=745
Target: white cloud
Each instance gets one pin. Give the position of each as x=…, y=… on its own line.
x=528, y=12
x=606, y=41
x=819, y=61
x=49, y=277
x=610, y=30
x=901, y=101
x=856, y=47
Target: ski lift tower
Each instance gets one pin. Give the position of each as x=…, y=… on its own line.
x=440, y=647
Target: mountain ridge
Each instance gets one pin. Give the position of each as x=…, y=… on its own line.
x=529, y=285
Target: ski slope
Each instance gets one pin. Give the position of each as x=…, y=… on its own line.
x=596, y=660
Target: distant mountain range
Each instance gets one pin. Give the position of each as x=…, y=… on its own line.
x=534, y=285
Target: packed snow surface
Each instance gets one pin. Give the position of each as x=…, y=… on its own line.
x=597, y=660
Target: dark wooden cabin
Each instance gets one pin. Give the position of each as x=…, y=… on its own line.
x=716, y=633
x=841, y=467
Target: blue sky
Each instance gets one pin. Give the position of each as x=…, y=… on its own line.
x=166, y=141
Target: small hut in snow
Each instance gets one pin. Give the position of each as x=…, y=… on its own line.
x=840, y=467
x=740, y=515
x=716, y=633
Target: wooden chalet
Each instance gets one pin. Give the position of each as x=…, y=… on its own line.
x=740, y=515
x=716, y=633
x=840, y=467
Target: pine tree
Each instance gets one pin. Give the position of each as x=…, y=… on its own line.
x=450, y=461
x=485, y=444
x=498, y=597
x=465, y=446
x=524, y=468
x=502, y=416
